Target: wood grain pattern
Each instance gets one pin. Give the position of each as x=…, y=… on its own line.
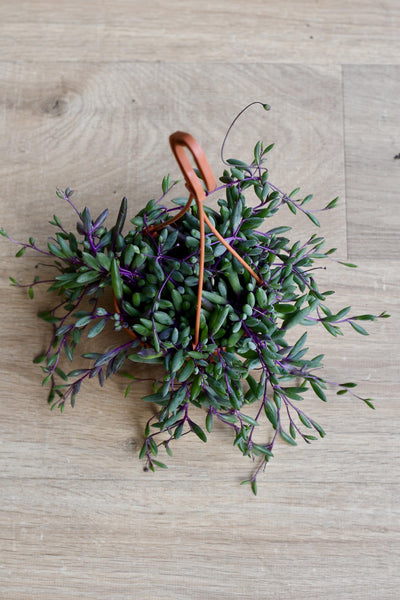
x=94, y=545
x=373, y=173
x=89, y=95
x=102, y=129
x=361, y=31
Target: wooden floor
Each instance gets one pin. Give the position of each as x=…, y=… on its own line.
x=89, y=92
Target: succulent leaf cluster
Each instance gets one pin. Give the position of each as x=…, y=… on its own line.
x=243, y=356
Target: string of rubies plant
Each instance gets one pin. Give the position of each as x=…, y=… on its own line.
x=242, y=356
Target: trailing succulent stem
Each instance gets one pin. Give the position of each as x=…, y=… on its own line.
x=242, y=357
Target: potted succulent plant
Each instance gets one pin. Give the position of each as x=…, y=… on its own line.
x=209, y=294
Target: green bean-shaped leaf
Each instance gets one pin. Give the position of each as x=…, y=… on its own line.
x=103, y=260
x=116, y=279
x=87, y=277
x=198, y=431
x=219, y=318
x=120, y=219
x=317, y=390
x=163, y=318
x=186, y=371
x=96, y=329
x=177, y=361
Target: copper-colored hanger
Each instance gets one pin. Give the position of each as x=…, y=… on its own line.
x=179, y=141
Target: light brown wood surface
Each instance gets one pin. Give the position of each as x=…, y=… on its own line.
x=291, y=31
x=89, y=95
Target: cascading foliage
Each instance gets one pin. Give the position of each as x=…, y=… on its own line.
x=242, y=358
